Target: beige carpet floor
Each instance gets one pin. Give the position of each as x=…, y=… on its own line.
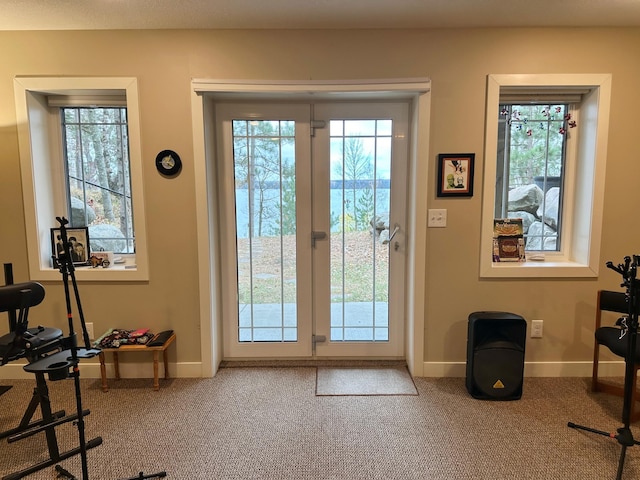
x=364, y=381
x=268, y=423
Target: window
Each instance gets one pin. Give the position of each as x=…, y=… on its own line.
x=532, y=140
x=96, y=151
x=80, y=157
x=533, y=147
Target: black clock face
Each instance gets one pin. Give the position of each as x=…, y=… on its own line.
x=168, y=162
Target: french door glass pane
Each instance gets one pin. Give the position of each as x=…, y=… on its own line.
x=265, y=199
x=359, y=205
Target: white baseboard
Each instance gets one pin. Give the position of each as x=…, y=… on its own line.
x=89, y=369
x=532, y=369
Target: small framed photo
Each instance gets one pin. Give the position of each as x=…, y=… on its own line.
x=78, y=244
x=455, y=174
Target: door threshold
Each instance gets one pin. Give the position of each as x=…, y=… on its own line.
x=313, y=362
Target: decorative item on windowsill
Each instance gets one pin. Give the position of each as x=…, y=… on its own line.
x=101, y=259
x=547, y=112
x=508, y=240
x=77, y=248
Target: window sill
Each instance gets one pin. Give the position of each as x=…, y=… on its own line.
x=534, y=269
x=113, y=273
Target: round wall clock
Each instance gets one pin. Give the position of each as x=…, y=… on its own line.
x=168, y=162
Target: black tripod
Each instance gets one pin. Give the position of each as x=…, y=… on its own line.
x=623, y=435
x=66, y=267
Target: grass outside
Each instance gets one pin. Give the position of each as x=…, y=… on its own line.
x=271, y=278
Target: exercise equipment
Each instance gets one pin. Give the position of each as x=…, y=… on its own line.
x=629, y=332
x=48, y=353
x=31, y=344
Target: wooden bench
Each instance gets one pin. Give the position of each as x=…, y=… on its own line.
x=136, y=348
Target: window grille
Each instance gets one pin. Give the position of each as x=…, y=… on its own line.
x=96, y=153
x=532, y=139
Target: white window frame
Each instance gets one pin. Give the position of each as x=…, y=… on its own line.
x=584, y=186
x=43, y=175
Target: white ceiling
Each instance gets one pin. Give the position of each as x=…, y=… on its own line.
x=307, y=14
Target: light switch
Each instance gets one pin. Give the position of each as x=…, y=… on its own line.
x=437, y=217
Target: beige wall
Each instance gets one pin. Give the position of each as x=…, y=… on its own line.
x=456, y=61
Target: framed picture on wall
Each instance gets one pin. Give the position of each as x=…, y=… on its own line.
x=455, y=174
x=78, y=245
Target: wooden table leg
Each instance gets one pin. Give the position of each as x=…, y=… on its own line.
x=156, y=384
x=116, y=365
x=165, y=357
x=103, y=372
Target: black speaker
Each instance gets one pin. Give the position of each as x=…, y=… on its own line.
x=495, y=355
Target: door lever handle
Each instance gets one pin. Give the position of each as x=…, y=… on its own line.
x=393, y=234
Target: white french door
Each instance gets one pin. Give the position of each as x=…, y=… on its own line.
x=313, y=214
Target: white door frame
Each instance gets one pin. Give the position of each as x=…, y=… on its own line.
x=205, y=93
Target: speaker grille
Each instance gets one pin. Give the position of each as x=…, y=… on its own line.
x=497, y=372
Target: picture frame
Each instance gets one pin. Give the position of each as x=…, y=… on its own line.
x=78, y=237
x=455, y=174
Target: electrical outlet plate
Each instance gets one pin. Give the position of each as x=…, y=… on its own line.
x=536, y=328
x=437, y=217
x=89, y=326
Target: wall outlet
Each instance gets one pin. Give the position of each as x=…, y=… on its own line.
x=90, y=330
x=536, y=328
x=437, y=217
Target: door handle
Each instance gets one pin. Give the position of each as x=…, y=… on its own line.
x=396, y=229
x=317, y=236
x=387, y=241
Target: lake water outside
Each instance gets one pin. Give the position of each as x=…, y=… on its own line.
x=337, y=201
